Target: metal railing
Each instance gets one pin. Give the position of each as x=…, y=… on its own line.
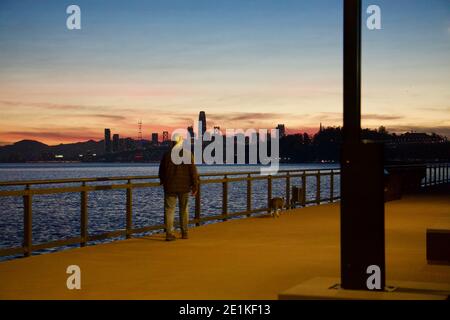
x=136, y=182
x=436, y=174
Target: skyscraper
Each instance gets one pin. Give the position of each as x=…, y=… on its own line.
x=115, y=145
x=165, y=136
x=282, y=130
x=130, y=144
x=190, y=130
x=202, y=122
x=107, y=140
x=155, y=139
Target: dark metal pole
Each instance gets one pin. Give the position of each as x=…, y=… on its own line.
x=362, y=185
x=352, y=71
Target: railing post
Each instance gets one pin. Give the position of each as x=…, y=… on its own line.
x=198, y=203
x=27, y=222
x=129, y=225
x=269, y=191
x=438, y=173
x=288, y=190
x=84, y=217
x=332, y=186
x=225, y=198
x=435, y=175
x=447, y=166
x=444, y=166
x=446, y=174
x=339, y=194
x=430, y=178
x=448, y=180
x=249, y=195
x=304, y=189
x=318, y=187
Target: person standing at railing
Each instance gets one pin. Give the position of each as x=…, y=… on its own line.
x=178, y=180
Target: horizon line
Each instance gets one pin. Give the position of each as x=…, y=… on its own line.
x=98, y=140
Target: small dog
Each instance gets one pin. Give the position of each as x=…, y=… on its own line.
x=276, y=205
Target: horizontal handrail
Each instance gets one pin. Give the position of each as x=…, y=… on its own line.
x=212, y=174
x=152, y=177
x=85, y=188
x=79, y=180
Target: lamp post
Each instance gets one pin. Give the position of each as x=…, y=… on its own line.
x=362, y=179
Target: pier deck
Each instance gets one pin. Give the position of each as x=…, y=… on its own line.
x=253, y=258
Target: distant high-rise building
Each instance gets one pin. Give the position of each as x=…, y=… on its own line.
x=202, y=122
x=190, y=130
x=115, y=144
x=107, y=140
x=155, y=139
x=139, y=130
x=130, y=144
x=282, y=130
x=165, y=136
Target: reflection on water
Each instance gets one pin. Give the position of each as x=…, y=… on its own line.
x=58, y=216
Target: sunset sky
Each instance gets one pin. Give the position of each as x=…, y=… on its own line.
x=247, y=63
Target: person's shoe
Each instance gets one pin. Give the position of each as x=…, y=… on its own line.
x=184, y=235
x=170, y=237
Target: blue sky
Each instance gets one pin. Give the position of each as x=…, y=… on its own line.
x=247, y=63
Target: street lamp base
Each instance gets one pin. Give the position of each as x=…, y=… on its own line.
x=329, y=289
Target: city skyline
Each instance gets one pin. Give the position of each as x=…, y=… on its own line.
x=247, y=64
x=196, y=131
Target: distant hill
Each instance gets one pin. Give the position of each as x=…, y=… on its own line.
x=74, y=149
x=30, y=150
